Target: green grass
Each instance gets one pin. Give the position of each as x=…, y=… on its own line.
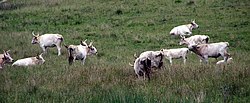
x=119, y=29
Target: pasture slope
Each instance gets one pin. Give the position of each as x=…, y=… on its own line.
x=120, y=28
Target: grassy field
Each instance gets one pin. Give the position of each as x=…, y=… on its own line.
x=120, y=28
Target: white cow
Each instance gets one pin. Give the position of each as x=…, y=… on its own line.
x=214, y=50
x=5, y=58
x=146, y=61
x=48, y=40
x=176, y=54
x=30, y=61
x=183, y=30
x=155, y=57
x=196, y=39
x=80, y=52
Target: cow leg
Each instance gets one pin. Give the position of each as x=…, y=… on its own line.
x=83, y=60
x=43, y=48
x=206, y=59
x=184, y=60
x=170, y=61
x=59, y=49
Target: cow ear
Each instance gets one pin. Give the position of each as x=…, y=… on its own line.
x=37, y=57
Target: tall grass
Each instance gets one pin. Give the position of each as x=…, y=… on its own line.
x=119, y=29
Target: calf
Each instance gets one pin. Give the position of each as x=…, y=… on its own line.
x=183, y=30
x=214, y=50
x=48, y=40
x=80, y=52
x=196, y=39
x=30, y=61
x=221, y=62
x=175, y=54
x=5, y=58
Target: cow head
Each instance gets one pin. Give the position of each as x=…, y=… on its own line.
x=183, y=40
x=92, y=49
x=35, y=38
x=194, y=25
x=7, y=58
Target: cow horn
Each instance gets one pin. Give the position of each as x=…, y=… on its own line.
x=33, y=33
x=135, y=56
x=90, y=44
x=131, y=65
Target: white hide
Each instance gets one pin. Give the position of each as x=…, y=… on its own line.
x=153, y=56
x=80, y=52
x=175, y=54
x=48, y=40
x=229, y=60
x=183, y=30
x=196, y=39
x=214, y=50
x=31, y=61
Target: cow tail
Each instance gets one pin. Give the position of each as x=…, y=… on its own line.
x=147, y=66
x=71, y=58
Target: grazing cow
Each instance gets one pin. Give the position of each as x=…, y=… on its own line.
x=5, y=58
x=48, y=40
x=80, y=52
x=176, y=54
x=146, y=61
x=183, y=30
x=30, y=61
x=196, y=39
x=214, y=50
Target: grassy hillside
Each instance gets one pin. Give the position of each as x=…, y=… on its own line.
x=119, y=29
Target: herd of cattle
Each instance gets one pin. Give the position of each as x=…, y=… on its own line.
x=143, y=63
x=198, y=44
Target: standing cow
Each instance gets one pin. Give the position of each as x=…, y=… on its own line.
x=80, y=52
x=48, y=40
x=175, y=54
x=146, y=61
x=214, y=50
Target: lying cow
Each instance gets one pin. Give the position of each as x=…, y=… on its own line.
x=80, y=52
x=5, y=58
x=48, y=40
x=146, y=61
x=196, y=39
x=175, y=54
x=30, y=61
x=183, y=30
x=214, y=50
